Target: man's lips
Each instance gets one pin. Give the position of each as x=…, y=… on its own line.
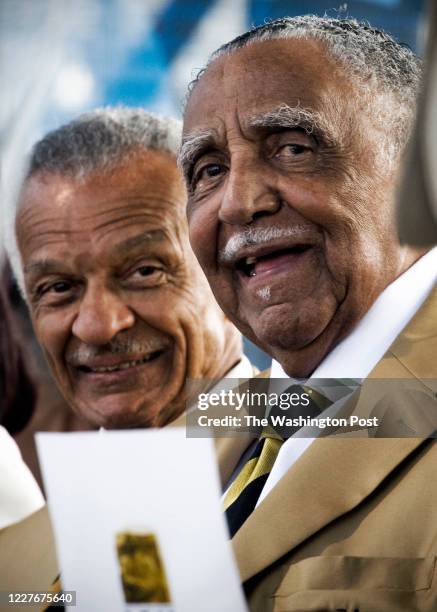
x=116, y=363
x=270, y=259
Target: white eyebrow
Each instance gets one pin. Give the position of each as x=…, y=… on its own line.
x=285, y=116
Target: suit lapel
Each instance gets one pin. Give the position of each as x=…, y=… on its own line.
x=229, y=451
x=413, y=353
x=335, y=475
x=331, y=478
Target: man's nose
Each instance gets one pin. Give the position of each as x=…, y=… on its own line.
x=248, y=195
x=102, y=315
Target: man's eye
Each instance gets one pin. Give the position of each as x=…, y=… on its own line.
x=60, y=287
x=291, y=150
x=212, y=170
x=56, y=287
x=208, y=172
x=54, y=293
x=146, y=270
x=146, y=276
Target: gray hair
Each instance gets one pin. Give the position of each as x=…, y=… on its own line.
x=101, y=139
x=372, y=56
x=95, y=142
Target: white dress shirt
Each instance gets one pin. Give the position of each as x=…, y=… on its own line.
x=356, y=355
x=20, y=495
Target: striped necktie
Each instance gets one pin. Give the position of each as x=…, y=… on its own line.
x=242, y=495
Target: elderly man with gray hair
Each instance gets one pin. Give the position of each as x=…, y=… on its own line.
x=292, y=174
x=118, y=302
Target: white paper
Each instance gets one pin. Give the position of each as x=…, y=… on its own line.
x=157, y=481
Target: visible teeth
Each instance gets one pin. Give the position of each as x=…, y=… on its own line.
x=248, y=266
x=121, y=366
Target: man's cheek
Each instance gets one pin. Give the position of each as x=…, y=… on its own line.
x=40, y=331
x=50, y=337
x=202, y=245
x=225, y=292
x=204, y=222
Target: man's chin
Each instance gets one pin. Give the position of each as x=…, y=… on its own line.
x=298, y=342
x=115, y=412
x=282, y=327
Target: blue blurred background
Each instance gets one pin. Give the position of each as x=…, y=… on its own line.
x=61, y=57
x=84, y=53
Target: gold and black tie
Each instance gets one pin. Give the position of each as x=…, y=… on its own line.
x=241, y=497
x=243, y=493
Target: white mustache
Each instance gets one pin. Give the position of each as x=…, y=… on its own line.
x=85, y=352
x=253, y=236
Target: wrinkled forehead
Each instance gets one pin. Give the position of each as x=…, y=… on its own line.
x=150, y=180
x=101, y=209
x=264, y=75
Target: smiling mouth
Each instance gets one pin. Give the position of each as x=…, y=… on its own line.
x=124, y=365
x=249, y=266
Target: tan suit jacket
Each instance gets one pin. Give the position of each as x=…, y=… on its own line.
x=27, y=559
x=353, y=524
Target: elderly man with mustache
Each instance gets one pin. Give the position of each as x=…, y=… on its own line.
x=118, y=301
x=292, y=175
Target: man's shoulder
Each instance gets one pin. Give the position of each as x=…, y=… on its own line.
x=413, y=351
